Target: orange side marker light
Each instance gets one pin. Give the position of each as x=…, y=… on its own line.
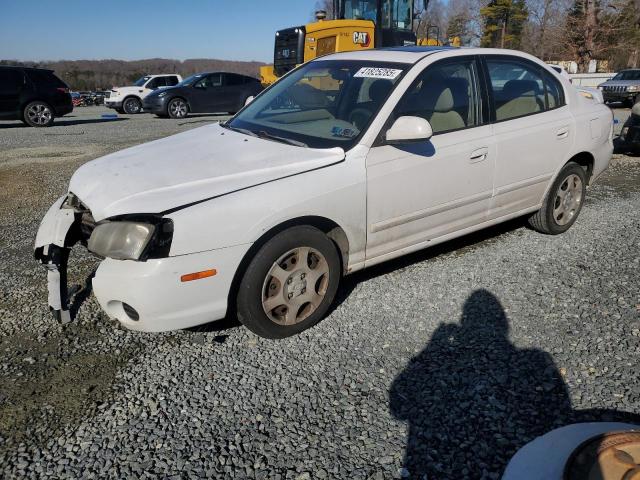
x=198, y=275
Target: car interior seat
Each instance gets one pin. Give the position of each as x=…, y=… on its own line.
x=519, y=97
x=436, y=104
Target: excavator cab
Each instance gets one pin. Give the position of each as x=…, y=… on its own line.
x=358, y=25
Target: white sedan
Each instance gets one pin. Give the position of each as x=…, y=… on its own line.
x=348, y=161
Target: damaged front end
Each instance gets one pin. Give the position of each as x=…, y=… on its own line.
x=66, y=223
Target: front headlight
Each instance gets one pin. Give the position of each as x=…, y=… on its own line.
x=633, y=88
x=121, y=240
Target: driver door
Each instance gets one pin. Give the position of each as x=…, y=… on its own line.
x=421, y=191
x=207, y=95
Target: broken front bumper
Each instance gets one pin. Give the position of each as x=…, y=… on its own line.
x=58, y=232
x=153, y=289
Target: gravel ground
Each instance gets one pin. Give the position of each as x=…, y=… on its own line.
x=442, y=363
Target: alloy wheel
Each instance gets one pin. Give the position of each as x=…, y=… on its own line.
x=568, y=200
x=132, y=106
x=178, y=109
x=295, y=286
x=39, y=114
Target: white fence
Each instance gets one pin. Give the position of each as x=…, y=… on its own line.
x=589, y=79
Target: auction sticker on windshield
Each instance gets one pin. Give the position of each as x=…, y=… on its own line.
x=375, y=72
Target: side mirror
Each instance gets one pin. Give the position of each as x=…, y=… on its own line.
x=409, y=129
x=249, y=100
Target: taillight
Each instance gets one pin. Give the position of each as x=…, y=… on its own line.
x=63, y=90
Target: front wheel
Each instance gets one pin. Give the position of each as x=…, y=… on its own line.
x=132, y=105
x=563, y=202
x=177, y=108
x=38, y=114
x=290, y=283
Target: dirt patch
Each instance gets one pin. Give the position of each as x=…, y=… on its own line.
x=54, y=382
x=48, y=154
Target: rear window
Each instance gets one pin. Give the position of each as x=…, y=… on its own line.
x=42, y=77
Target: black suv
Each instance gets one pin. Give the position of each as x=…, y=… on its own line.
x=33, y=95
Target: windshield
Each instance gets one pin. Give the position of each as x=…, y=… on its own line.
x=322, y=104
x=141, y=81
x=395, y=14
x=628, y=75
x=360, y=9
x=190, y=80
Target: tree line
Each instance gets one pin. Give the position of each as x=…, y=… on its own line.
x=104, y=74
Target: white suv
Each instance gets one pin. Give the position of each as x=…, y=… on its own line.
x=129, y=99
x=347, y=161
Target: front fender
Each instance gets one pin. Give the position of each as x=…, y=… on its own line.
x=336, y=192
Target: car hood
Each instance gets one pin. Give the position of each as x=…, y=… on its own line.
x=200, y=164
x=620, y=83
x=174, y=89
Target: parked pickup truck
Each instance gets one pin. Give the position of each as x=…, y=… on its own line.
x=129, y=99
x=624, y=87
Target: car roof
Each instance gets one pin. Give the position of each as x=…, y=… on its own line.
x=413, y=54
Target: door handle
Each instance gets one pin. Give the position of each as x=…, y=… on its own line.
x=479, y=155
x=562, y=133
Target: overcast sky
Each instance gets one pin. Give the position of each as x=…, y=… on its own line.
x=135, y=29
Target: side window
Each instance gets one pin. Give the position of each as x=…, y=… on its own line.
x=446, y=95
x=171, y=81
x=215, y=80
x=517, y=86
x=554, y=92
x=232, y=80
x=156, y=83
x=11, y=81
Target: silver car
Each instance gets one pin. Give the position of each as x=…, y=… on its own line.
x=624, y=87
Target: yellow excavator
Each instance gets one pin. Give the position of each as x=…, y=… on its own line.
x=358, y=25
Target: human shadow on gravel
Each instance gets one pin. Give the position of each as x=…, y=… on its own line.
x=472, y=399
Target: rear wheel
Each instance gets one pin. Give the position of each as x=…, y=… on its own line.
x=132, y=105
x=177, y=108
x=563, y=202
x=290, y=283
x=38, y=114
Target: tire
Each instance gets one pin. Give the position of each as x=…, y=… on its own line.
x=178, y=108
x=275, y=298
x=132, y=105
x=563, y=202
x=38, y=114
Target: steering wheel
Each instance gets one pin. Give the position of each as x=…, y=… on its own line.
x=359, y=117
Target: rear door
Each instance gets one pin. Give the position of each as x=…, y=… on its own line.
x=11, y=84
x=235, y=91
x=533, y=128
